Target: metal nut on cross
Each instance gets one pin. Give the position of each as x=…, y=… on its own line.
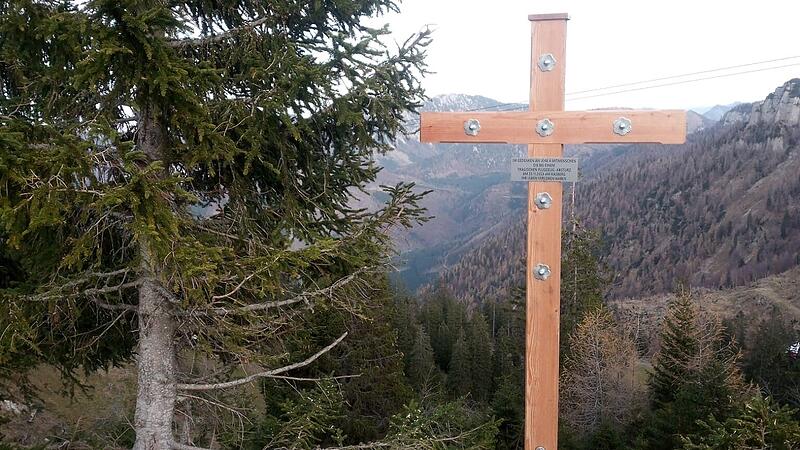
x=472, y=127
x=541, y=272
x=545, y=127
x=547, y=62
x=543, y=200
x=622, y=126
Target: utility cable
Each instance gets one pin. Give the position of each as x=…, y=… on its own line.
x=514, y=106
x=683, y=82
x=683, y=75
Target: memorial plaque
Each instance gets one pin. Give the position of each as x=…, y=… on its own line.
x=544, y=169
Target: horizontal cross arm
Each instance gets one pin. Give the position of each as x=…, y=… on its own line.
x=566, y=127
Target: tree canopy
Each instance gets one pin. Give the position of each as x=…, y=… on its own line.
x=187, y=171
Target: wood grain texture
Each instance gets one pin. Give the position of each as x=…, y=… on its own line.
x=578, y=127
x=544, y=246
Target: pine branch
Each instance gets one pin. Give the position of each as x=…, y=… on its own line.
x=265, y=374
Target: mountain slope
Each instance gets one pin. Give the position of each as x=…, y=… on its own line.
x=716, y=112
x=721, y=210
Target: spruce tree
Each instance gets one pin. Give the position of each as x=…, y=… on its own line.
x=767, y=361
x=695, y=374
x=459, y=378
x=479, y=345
x=443, y=316
x=758, y=424
x=582, y=282
x=176, y=177
x=374, y=386
x=679, y=345
x=508, y=369
x=421, y=371
x=405, y=324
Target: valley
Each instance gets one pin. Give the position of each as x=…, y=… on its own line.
x=721, y=210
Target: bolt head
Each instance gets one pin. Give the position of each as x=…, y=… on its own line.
x=546, y=62
x=545, y=127
x=472, y=127
x=622, y=126
x=543, y=200
x=541, y=272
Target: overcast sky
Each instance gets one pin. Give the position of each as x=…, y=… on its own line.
x=483, y=47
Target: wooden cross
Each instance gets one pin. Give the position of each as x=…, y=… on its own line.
x=546, y=127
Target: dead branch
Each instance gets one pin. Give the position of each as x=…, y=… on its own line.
x=217, y=37
x=303, y=297
x=92, y=293
x=265, y=374
x=179, y=446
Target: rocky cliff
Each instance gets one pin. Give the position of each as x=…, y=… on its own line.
x=782, y=106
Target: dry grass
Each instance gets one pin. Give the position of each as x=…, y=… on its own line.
x=98, y=416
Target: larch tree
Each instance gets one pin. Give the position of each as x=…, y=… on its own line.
x=177, y=177
x=599, y=386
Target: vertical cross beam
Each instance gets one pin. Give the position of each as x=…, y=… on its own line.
x=548, y=35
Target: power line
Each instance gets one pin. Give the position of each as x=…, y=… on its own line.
x=517, y=106
x=683, y=75
x=684, y=81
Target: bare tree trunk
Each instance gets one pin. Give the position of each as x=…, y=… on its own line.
x=156, y=359
x=155, y=400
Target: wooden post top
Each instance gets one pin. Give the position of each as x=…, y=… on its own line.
x=541, y=17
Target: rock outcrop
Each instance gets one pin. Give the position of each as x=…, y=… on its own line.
x=783, y=105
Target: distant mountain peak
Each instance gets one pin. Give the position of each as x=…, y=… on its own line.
x=715, y=112
x=783, y=105
x=464, y=102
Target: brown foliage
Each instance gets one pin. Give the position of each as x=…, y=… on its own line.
x=599, y=385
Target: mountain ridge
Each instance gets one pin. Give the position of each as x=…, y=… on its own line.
x=721, y=210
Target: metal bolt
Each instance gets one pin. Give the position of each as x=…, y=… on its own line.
x=541, y=272
x=540, y=448
x=472, y=127
x=547, y=62
x=622, y=126
x=543, y=200
x=545, y=127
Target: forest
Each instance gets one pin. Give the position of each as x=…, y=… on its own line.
x=717, y=212
x=429, y=372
